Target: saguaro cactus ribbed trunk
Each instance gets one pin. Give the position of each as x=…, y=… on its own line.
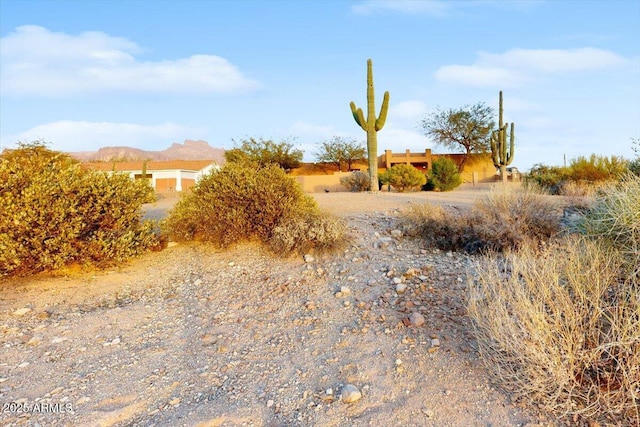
x=501, y=157
x=372, y=125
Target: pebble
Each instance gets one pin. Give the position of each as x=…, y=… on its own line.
x=401, y=288
x=21, y=311
x=396, y=234
x=308, y=258
x=416, y=319
x=350, y=394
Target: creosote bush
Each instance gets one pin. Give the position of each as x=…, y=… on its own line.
x=560, y=327
x=239, y=203
x=53, y=212
x=403, y=177
x=356, y=181
x=504, y=219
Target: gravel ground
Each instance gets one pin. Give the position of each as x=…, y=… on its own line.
x=196, y=337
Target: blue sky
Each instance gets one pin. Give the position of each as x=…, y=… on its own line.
x=86, y=74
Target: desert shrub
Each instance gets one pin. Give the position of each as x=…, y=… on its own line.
x=403, y=177
x=238, y=203
x=507, y=217
x=597, y=168
x=614, y=218
x=634, y=166
x=54, y=212
x=356, y=181
x=550, y=178
x=317, y=231
x=444, y=174
x=504, y=219
x=558, y=327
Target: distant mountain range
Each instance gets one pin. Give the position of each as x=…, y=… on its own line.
x=190, y=150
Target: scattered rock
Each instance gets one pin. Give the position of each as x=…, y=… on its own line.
x=416, y=319
x=401, y=288
x=396, y=234
x=21, y=311
x=350, y=394
x=308, y=258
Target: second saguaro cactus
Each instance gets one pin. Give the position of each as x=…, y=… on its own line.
x=372, y=124
x=501, y=157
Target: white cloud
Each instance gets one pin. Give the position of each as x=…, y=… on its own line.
x=430, y=7
x=34, y=60
x=518, y=66
x=73, y=136
x=407, y=110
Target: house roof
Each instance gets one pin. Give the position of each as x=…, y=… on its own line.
x=191, y=165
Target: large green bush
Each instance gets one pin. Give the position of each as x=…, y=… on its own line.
x=54, y=212
x=403, y=177
x=239, y=203
x=444, y=175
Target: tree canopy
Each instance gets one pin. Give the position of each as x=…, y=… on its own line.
x=467, y=128
x=340, y=150
x=263, y=152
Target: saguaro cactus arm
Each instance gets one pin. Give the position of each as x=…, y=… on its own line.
x=358, y=116
x=382, y=117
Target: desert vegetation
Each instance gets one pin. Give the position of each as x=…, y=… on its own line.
x=443, y=176
x=239, y=203
x=356, y=181
x=555, y=306
x=53, y=212
x=403, y=178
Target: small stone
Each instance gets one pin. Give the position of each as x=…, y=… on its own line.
x=396, y=234
x=21, y=311
x=175, y=401
x=23, y=365
x=416, y=319
x=411, y=272
x=435, y=342
x=345, y=290
x=270, y=403
x=401, y=288
x=34, y=341
x=397, y=280
x=429, y=413
x=350, y=394
x=57, y=340
x=309, y=258
x=198, y=282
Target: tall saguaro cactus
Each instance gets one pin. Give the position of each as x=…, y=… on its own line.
x=501, y=157
x=371, y=125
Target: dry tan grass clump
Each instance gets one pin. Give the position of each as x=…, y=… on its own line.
x=240, y=203
x=614, y=219
x=561, y=328
x=504, y=219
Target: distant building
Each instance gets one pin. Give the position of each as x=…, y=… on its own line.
x=165, y=176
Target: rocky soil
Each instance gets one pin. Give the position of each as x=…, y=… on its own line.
x=376, y=335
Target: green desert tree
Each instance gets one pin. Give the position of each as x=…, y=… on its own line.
x=467, y=129
x=263, y=152
x=341, y=150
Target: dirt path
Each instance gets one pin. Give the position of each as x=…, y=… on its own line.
x=194, y=337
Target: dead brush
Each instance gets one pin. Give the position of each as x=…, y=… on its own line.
x=560, y=327
x=504, y=219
